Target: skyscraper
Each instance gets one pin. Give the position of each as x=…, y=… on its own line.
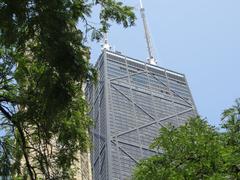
x=130, y=103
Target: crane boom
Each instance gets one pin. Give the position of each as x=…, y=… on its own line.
x=151, y=59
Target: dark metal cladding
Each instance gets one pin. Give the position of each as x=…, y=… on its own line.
x=130, y=103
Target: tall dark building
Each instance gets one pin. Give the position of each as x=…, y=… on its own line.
x=130, y=103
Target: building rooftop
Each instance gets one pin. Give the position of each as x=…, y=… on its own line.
x=118, y=54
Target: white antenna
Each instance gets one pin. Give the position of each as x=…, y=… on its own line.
x=105, y=45
x=151, y=59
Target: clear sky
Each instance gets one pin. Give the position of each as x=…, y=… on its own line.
x=199, y=38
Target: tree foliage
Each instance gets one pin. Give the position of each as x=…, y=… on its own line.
x=44, y=62
x=195, y=150
x=231, y=119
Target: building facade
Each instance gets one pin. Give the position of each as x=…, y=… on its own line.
x=130, y=103
x=83, y=167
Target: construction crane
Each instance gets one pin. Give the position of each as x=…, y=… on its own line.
x=151, y=58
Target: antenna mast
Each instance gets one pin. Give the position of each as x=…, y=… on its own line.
x=151, y=58
x=105, y=45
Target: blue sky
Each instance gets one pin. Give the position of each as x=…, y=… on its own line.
x=200, y=38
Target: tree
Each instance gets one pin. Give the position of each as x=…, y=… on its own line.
x=44, y=62
x=195, y=150
x=231, y=119
x=188, y=152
